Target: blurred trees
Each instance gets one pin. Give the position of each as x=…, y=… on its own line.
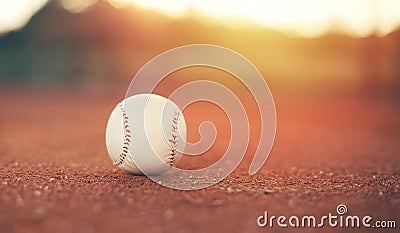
x=105, y=44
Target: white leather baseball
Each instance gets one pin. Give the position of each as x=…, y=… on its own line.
x=145, y=134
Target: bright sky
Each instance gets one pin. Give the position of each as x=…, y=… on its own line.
x=302, y=17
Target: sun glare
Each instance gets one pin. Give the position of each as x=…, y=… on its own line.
x=302, y=17
x=15, y=14
x=76, y=6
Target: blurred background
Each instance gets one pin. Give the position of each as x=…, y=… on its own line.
x=301, y=47
x=333, y=67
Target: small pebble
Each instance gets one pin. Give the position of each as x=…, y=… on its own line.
x=268, y=191
x=37, y=193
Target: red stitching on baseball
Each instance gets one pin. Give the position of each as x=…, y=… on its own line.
x=127, y=138
x=174, y=139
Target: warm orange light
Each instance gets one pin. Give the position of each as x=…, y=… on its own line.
x=77, y=6
x=304, y=17
x=15, y=14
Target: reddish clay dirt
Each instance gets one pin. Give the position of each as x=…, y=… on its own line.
x=55, y=174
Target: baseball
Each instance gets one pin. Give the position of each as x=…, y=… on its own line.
x=146, y=134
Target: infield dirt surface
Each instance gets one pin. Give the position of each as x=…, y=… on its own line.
x=56, y=176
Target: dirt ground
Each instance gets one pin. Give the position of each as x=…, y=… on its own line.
x=55, y=174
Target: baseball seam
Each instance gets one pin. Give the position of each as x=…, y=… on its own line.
x=127, y=138
x=174, y=138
